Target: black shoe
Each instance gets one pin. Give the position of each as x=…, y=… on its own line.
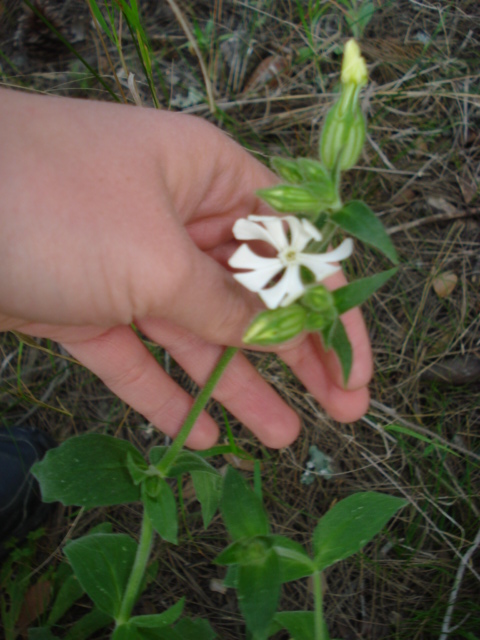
x=21, y=507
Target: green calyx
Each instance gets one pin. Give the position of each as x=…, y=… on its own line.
x=276, y=326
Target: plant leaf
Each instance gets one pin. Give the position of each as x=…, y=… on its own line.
x=357, y=219
x=188, y=462
x=232, y=554
x=208, y=489
x=162, y=510
x=293, y=561
x=340, y=343
x=241, y=508
x=156, y=454
x=350, y=524
x=102, y=563
x=258, y=590
x=164, y=619
x=88, y=624
x=299, y=624
x=41, y=633
x=353, y=294
x=200, y=629
x=88, y=470
x=70, y=591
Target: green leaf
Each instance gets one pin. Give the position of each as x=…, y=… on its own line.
x=233, y=554
x=299, y=624
x=41, y=633
x=340, y=343
x=353, y=294
x=188, y=462
x=166, y=618
x=161, y=508
x=294, y=561
x=208, y=489
x=189, y=629
x=102, y=22
x=88, y=470
x=357, y=219
x=70, y=591
x=137, y=470
x=241, y=508
x=88, y=624
x=103, y=562
x=156, y=454
x=231, y=577
x=350, y=524
x=258, y=591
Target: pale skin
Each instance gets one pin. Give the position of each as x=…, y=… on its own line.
x=112, y=215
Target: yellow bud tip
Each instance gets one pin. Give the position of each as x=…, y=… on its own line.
x=354, y=68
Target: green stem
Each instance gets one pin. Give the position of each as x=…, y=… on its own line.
x=321, y=632
x=198, y=406
x=138, y=570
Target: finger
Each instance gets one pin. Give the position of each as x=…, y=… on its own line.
x=341, y=404
x=125, y=365
x=241, y=389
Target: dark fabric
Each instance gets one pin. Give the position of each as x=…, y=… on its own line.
x=21, y=508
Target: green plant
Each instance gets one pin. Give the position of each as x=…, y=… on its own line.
x=98, y=470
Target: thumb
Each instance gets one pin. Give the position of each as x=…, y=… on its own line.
x=207, y=301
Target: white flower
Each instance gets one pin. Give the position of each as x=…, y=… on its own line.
x=289, y=257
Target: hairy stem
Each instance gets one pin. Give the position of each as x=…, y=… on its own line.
x=198, y=406
x=138, y=570
x=321, y=632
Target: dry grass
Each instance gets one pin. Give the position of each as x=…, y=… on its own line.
x=419, y=172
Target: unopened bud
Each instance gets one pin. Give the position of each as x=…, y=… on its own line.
x=343, y=137
x=318, y=298
x=343, y=133
x=276, y=326
x=354, y=69
x=291, y=199
x=287, y=169
x=321, y=312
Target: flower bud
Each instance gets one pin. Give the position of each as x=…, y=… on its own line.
x=343, y=137
x=291, y=199
x=287, y=169
x=354, y=69
x=343, y=133
x=276, y=326
x=318, y=298
x=321, y=313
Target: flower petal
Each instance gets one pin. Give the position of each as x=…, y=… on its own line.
x=275, y=229
x=302, y=232
x=289, y=287
x=295, y=286
x=245, y=258
x=311, y=229
x=247, y=229
x=256, y=280
x=344, y=250
x=317, y=266
x=320, y=263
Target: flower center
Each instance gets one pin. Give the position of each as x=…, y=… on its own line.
x=288, y=257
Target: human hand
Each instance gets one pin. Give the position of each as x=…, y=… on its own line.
x=112, y=215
